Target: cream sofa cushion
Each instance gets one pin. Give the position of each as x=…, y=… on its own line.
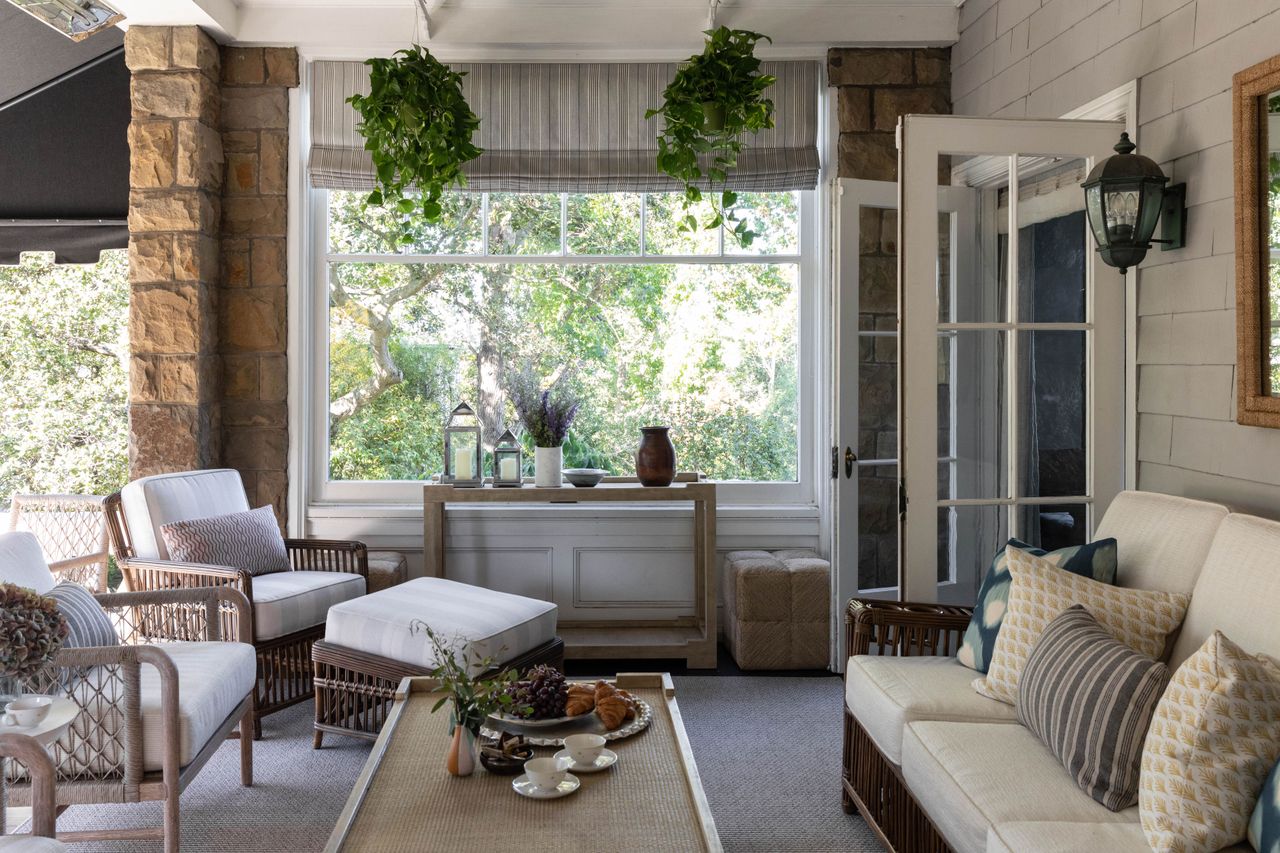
x=1162, y=539
x=284, y=602
x=22, y=562
x=1069, y=837
x=969, y=777
x=152, y=502
x=886, y=692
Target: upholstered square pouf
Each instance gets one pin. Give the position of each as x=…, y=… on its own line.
x=386, y=569
x=777, y=609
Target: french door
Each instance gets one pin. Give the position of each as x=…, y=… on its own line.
x=1011, y=370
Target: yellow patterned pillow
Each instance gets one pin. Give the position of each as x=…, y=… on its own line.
x=1141, y=619
x=1213, y=739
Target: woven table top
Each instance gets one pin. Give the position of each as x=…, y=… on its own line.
x=650, y=800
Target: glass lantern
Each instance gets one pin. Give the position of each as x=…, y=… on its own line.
x=506, y=462
x=462, y=448
x=1124, y=196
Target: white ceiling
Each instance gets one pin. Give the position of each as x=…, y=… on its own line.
x=495, y=29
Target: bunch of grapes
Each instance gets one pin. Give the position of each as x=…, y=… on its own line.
x=543, y=689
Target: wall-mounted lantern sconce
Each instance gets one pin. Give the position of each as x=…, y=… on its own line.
x=1124, y=197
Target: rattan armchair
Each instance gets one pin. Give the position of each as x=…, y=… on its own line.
x=871, y=784
x=285, y=675
x=107, y=754
x=72, y=531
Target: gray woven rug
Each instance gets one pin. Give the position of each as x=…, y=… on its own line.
x=768, y=750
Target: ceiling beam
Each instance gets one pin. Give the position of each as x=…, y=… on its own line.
x=219, y=18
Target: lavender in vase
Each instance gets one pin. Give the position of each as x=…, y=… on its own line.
x=547, y=414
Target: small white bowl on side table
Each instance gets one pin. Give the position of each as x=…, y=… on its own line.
x=62, y=712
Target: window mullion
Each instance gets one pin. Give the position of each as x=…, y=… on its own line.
x=644, y=223
x=484, y=223
x=564, y=223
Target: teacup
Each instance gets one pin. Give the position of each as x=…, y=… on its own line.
x=27, y=711
x=584, y=748
x=546, y=773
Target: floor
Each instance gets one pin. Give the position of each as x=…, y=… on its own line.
x=767, y=747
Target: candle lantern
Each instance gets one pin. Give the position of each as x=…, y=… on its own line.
x=462, y=448
x=506, y=462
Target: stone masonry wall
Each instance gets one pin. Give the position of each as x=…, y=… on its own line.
x=874, y=87
x=207, y=221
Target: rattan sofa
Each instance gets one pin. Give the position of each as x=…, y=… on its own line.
x=933, y=767
x=151, y=714
x=287, y=616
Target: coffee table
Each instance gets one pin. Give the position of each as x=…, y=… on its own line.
x=652, y=799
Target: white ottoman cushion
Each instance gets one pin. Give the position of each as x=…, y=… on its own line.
x=284, y=602
x=494, y=624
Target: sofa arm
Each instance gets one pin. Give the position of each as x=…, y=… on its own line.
x=329, y=555
x=198, y=614
x=190, y=578
x=904, y=627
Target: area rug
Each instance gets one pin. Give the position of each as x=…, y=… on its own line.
x=768, y=750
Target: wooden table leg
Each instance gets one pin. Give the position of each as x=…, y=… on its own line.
x=433, y=538
x=703, y=652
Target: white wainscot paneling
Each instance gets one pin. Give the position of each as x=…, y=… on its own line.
x=633, y=577
x=513, y=569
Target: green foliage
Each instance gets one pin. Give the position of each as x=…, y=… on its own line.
x=715, y=98
x=418, y=128
x=474, y=699
x=63, y=378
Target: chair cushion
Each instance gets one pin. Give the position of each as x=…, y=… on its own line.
x=887, y=692
x=1089, y=698
x=1044, y=836
x=242, y=540
x=87, y=622
x=22, y=562
x=1141, y=619
x=1095, y=560
x=1163, y=539
x=494, y=624
x=213, y=678
x=284, y=602
x=970, y=776
x=152, y=502
x=1238, y=591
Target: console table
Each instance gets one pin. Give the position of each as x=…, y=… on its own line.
x=692, y=638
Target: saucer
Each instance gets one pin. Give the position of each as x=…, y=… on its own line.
x=606, y=759
x=525, y=788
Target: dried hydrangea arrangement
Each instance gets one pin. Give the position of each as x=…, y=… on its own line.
x=31, y=632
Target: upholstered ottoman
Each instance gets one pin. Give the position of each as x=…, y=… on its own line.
x=777, y=609
x=370, y=644
x=386, y=569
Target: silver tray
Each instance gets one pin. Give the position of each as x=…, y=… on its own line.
x=539, y=733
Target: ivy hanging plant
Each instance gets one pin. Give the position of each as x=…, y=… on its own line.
x=418, y=128
x=711, y=103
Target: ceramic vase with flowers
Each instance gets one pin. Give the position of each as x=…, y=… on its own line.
x=547, y=414
x=31, y=632
x=471, y=699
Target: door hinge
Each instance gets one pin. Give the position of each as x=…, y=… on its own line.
x=835, y=462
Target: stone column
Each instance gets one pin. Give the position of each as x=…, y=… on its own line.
x=252, y=308
x=175, y=181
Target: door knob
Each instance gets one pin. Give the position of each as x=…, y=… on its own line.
x=850, y=459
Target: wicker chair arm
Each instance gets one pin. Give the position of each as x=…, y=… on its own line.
x=28, y=751
x=217, y=574
x=904, y=627
x=212, y=598
x=329, y=555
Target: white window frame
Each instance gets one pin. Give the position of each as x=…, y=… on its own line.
x=313, y=341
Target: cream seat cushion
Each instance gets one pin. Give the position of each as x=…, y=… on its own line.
x=969, y=777
x=1067, y=837
x=22, y=562
x=492, y=624
x=284, y=602
x=885, y=692
x=152, y=502
x=31, y=844
x=213, y=678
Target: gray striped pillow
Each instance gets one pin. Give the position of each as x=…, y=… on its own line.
x=1089, y=698
x=248, y=540
x=87, y=623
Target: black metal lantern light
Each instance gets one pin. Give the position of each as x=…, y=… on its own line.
x=1125, y=195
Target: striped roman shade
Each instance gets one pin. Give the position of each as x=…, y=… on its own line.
x=1089, y=698
x=566, y=127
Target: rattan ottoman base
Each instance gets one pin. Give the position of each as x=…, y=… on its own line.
x=354, y=690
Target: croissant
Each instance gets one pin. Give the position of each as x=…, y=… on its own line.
x=612, y=710
x=604, y=688
x=581, y=700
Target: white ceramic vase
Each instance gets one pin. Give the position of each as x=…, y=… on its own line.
x=548, y=463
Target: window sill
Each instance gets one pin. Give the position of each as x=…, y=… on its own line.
x=526, y=511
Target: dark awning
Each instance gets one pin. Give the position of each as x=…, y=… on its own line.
x=64, y=164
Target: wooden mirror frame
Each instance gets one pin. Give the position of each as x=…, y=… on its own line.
x=1254, y=406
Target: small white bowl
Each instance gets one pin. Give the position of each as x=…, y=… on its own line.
x=584, y=478
x=546, y=773
x=584, y=749
x=28, y=711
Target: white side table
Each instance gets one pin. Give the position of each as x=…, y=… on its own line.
x=48, y=730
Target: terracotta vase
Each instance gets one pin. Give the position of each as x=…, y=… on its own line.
x=656, y=457
x=462, y=752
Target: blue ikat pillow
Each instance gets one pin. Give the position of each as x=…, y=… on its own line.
x=1264, y=826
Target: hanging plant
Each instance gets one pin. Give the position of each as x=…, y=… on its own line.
x=418, y=128
x=711, y=103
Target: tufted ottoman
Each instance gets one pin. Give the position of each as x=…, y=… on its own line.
x=370, y=644
x=778, y=609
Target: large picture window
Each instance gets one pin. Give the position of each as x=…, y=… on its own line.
x=600, y=292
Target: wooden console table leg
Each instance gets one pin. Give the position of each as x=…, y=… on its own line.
x=703, y=652
x=433, y=538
